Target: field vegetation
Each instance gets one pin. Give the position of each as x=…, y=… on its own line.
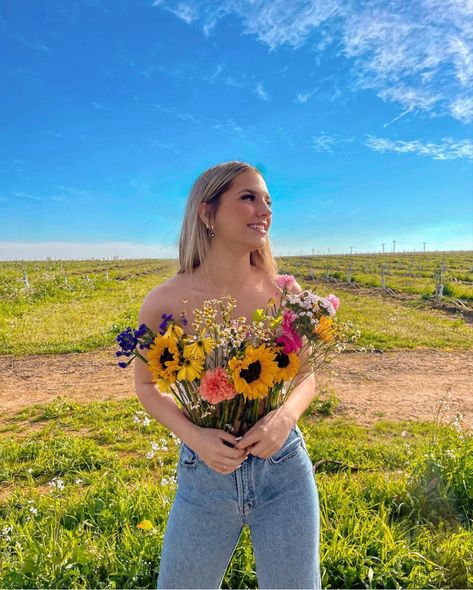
x=86, y=489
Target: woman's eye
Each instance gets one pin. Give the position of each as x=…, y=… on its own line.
x=269, y=203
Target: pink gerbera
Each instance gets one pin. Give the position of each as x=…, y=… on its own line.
x=216, y=386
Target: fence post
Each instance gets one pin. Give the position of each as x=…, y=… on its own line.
x=25, y=279
x=439, y=281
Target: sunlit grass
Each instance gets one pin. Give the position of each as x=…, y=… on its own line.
x=90, y=313
x=75, y=480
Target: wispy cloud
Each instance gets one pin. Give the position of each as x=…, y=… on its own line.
x=100, y=106
x=261, y=92
x=327, y=143
x=418, y=55
x=449, y=149
x=30, y=197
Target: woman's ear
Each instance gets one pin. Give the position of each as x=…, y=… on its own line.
x=203, y=213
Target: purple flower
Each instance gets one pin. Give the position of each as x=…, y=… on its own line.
x=164, y=323
x=141, y=331
x=122, y=365
x=127, y=340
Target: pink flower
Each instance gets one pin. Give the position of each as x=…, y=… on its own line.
x=334, y=300
x=288, y=317
x=292, y=342
x=287, y=281
x=289, y=337
x=215, y=386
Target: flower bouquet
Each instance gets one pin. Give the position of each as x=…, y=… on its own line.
x=227, y=375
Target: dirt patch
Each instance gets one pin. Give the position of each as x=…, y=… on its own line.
x=395, y=385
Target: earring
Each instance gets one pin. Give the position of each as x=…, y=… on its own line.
x=212, y=233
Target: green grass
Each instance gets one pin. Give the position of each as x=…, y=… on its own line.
x=396, y=511
x=80, y=306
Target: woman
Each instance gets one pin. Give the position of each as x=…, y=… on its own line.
x=264, y=479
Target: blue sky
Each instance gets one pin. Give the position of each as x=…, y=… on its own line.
x=360, y=115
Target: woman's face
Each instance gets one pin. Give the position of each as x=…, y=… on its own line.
x=246, y=203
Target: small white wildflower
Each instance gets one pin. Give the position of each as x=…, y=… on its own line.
x=57, y=482
x=150, y=455
x=30, y=470
x=33, y=510
x=79, y=480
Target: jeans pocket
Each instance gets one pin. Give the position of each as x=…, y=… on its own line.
x=289, y=448
x=187, y=456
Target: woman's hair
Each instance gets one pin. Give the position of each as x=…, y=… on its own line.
x=194, y=241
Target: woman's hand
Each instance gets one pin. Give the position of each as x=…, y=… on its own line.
x=268, y=435
x=212, y=449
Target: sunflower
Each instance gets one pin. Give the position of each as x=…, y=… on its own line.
x=190, y=369
x=199, y=346
x=174, y=331
x=163, y=357
x=324, y=329
x=254, y=374
x=288, y=365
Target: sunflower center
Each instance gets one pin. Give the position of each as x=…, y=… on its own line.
x=165, y=356
x=282, y=360
x=252, y=373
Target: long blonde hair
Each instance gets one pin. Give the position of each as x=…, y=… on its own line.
x=194, y=241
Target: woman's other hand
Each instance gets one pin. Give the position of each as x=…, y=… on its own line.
x=211, y=447
x=268, y=435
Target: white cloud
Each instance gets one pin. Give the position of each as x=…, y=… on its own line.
x=449, y=149
x=326, y=143
x=79, y=250
x=261, y=92
x=418, y=54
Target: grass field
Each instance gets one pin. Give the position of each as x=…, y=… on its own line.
x=76, y=306
x=76, y=480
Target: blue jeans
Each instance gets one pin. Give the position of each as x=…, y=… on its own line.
x=277, y=498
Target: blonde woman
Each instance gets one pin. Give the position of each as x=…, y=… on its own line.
x=265, y=478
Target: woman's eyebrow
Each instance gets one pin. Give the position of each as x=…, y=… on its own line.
x=248, y=190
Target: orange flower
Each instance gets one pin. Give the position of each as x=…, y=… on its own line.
x=324, y=329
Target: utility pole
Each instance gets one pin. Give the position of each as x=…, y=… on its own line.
x=394, y=245
x=351, y=248
x=383, y=247
x=424, y=245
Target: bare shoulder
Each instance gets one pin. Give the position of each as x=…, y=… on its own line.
x=161, y=299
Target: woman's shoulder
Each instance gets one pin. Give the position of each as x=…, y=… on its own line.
x=161, y=298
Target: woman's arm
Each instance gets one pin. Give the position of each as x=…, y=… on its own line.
x=161, y=406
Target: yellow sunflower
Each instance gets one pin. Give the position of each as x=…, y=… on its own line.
x=199, y=346
x=324, y=329
x=174, y=331
x=163, y=357
x=288, y=365
x=254, y=374
x=190, y=369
